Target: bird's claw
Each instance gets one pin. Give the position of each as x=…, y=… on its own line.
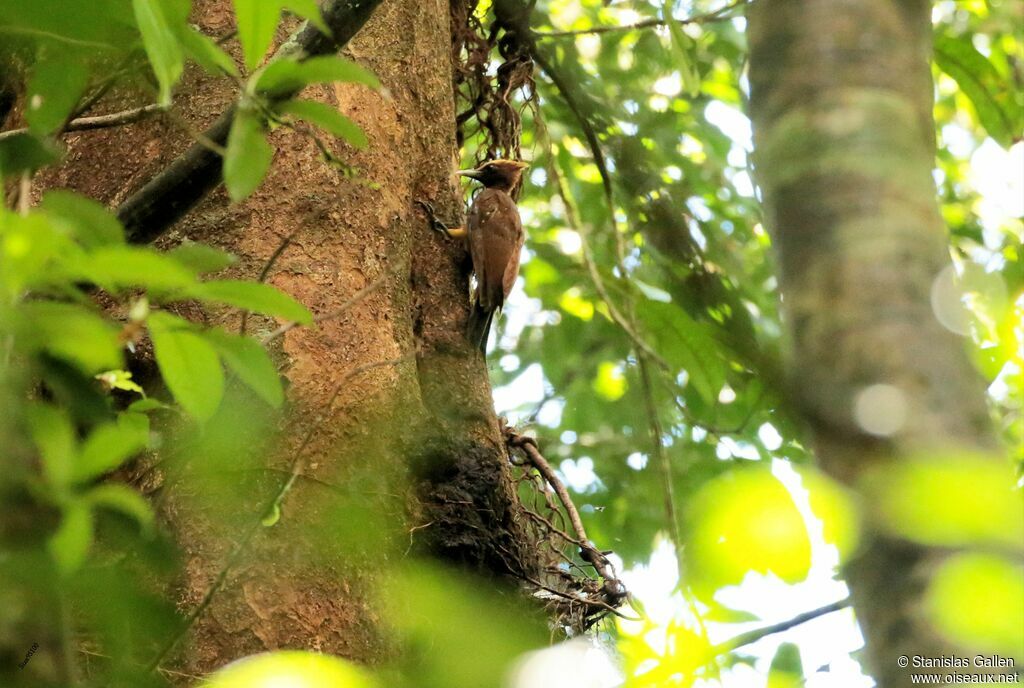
x=435, y=223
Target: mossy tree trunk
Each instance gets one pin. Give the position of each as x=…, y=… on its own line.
x=387, y=403
x=841, y=102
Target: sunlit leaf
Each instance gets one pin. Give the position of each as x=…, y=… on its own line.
x=327, y=118
x=253, y=296
x=125, y=500
x=189, y=365
x=474, y=634
x=201, y=258
x=53, y=92
x=977, y=600
x=257, y=20
x=206, y=52
x=70, y=545
x=981, y=84
x=92, y=223
x=787, y=669
x=951, y=500
x=248, y=155
x=110, y=445
x=836, y=507
x=574, y=304
x=162, y=48
x=119, y=379
x=291, y=668
x=119, y=267
x=610, y=382
x=54, y=436
x=71, y=333
x=745, y=520
x=25, y=153
x=309, y=10
x=251, y=362
x=289, y=75
x=683, y=49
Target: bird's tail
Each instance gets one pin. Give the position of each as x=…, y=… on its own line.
x=479, y=326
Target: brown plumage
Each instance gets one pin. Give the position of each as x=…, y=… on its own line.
x=495, y=235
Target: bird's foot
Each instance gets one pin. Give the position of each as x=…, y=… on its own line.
x=439, y=225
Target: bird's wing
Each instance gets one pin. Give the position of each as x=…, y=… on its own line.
x=495, y=239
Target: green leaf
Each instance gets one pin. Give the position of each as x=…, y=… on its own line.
x=248, y=156
x=974, y=599
x=475, y=632
x=25, y=153
x=253, y=296
x=53, y=91
x=188, y=364
x=161, y=44
x=272, y=517
x=683, y=49
x=125, y=500
x=91, y=222
x=110, y=445
x=719, y=613
x=309, y=10
x=257, y=20
x=251, y=363
x=143, y=405
x=686, y=343
x=118, y=267
x=982, y=85
x=205, y=51
x=950, y=500
x=327, y=118
x=289, y=75
x=200, y=258
x=70, y=544
x=120, y=379
x=787, y=669
x=291, y=668
x=745, y=520
x=54, y=436
x=71, y=333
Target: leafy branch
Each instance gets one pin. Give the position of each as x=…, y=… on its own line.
x=174, y=191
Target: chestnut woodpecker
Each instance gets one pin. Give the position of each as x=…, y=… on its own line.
x=494, y=233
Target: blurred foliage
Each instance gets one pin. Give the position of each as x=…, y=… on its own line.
x=294, y=668
x=642, y=344
x=679, y=252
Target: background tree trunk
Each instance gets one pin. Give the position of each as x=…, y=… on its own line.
x=841, y=101
x=391, y=384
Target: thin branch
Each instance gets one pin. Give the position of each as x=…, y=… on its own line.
x=613, y=587
x=122, y=68
x=585, y=601
x=115, y=119
x=595, y=274
x=265, y=272
x=177, y=189
x=24, y=193
x=340, y=310
x=758, y=633
x=721, y=14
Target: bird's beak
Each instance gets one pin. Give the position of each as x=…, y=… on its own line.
x=472, y=174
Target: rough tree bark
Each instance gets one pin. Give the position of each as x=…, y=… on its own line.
x=391, y=384
x=841, y=102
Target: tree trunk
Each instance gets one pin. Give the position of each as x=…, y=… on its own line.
x=841, y=102
x=389, y=385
